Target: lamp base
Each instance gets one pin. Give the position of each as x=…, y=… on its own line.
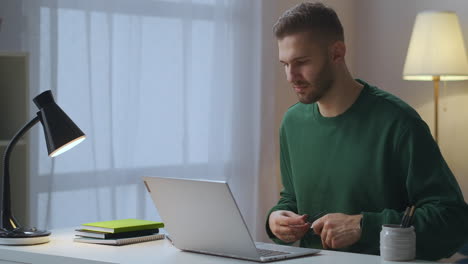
x=23, y=236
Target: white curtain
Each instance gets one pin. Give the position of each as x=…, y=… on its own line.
x=161, y=88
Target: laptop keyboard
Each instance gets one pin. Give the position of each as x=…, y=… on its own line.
x=270, y=253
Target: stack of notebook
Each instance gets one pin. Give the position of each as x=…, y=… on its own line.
x=119, y=232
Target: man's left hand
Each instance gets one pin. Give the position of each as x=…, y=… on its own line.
x=338, y=230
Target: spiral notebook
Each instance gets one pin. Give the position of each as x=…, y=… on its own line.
x=119, y=241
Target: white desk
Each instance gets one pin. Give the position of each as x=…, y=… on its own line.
x=61, y=249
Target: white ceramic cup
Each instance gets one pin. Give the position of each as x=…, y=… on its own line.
x=397, y=243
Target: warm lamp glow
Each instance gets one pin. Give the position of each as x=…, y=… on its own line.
x=67, y=146
x=431, y=78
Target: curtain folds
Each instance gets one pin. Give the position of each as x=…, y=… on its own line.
x=161, y=88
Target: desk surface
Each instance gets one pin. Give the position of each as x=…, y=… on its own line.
x=62, y=249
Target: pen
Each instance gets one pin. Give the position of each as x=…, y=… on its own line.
x=311, y=219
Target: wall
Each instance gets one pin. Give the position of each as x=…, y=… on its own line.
x=11, y=26
x=384, y=31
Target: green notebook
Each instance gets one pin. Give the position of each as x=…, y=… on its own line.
x=122, y=225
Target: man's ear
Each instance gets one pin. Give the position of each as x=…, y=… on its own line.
x=337, y=51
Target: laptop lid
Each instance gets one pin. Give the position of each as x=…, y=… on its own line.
x=201, y=216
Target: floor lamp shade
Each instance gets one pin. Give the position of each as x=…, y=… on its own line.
x=436, y=52
x=60, y=131
x=436, y=48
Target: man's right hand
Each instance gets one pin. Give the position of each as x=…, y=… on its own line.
x=288, y=226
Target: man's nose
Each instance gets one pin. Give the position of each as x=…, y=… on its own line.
x=292, y=74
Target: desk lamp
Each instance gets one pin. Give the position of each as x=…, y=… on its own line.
x=61, y=134
x=436, y=52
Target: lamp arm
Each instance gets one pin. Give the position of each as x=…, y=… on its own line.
x=7, y=221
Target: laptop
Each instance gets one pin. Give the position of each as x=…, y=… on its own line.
x=202, y=216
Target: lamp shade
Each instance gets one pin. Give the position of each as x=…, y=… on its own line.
x=436, y=48
x=60, y=132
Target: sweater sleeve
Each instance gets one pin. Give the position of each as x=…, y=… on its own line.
x=287, y=200
x=441, y=215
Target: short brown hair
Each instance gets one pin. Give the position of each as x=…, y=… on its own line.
x=310, y=17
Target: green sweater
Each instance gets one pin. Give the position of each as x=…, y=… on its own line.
x=375, y=159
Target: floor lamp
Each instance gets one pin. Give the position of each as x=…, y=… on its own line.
x=436, y=53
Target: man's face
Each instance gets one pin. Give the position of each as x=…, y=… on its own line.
x=307, y=65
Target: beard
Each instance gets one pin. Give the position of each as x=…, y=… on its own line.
x=319, y=88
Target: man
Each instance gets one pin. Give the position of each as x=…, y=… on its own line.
x=354, y=151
